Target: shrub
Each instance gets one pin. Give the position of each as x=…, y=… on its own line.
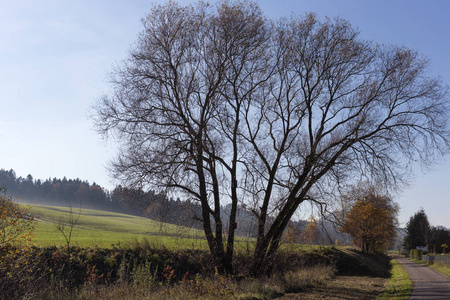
x=415, y=253
x=16, y=225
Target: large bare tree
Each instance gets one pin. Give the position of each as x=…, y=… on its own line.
x=230, y=107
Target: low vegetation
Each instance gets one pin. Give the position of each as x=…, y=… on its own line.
x=16, y=224
x=150, y=262
x=149, y=272
x=140, y=271
x=443, y=268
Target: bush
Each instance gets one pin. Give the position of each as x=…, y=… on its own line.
x=27, y=270
x=141, y=272
x=16, y=225
x=416, y=254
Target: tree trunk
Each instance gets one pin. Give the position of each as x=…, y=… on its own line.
x=268, y=245
x=221, y=259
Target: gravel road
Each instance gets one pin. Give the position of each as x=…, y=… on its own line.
x=428, y=283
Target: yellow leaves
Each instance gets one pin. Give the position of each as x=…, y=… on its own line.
x=16, y=225
x=310, y=233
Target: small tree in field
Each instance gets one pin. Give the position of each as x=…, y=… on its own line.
x=291, y=235
x=311, y=232
x=371, y=223
x=230, y=107
x=16, y=225
x=66, y=225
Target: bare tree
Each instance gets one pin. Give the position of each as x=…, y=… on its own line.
x=230, y=107
x=65, y=225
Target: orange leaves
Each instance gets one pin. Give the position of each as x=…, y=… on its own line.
x=311, y=232
x=371, y=223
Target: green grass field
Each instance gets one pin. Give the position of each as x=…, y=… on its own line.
x=105, y=229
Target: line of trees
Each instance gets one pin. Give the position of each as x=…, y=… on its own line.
x=158, y=206
x=77, y=192
x=150, y=204
x=420, y=233
x=56, y=191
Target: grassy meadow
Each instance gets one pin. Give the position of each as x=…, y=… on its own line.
x=104, y=229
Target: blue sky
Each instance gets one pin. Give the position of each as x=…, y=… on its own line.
x=54, y=57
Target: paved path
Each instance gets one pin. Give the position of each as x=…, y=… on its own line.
x=428, y=283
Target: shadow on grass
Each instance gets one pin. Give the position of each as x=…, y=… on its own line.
x=344, y=287
x=355, y=263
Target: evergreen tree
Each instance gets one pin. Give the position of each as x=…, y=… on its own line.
x=438, y=237
x=417, y=231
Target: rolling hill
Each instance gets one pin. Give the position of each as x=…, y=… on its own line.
x=108, y=229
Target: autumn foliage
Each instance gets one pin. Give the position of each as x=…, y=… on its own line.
x=16, y=225
x=371, y=223
x=311, y=232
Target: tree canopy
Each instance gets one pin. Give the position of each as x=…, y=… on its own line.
x=225, y=105
x=371, y=222
x=439, y=236
x=57, y=191
x=417, y=231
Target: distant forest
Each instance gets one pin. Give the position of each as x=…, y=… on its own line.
x=150, y=204
x=77, y=192
x=56, y=191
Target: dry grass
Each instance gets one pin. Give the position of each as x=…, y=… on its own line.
x=361, y=276
x=291, y=282
x=145, y=273
x=215, y=287
x=344, y=287
x=443, y=268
